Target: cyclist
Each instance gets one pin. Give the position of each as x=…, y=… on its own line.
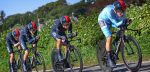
x=112, y=15
x=58, y=33
x=74, y=18
x=41, y=24
x=28, y=34
x=12, y=39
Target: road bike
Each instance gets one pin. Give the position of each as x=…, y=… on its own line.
x=130, y=50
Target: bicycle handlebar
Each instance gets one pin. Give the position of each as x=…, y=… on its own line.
x=137, y=31
x=72, y=35
x=125, y=27
x=78, y=39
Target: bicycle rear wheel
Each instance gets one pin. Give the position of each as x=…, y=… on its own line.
x=38, y=63
x=75, y=59
x=28, y=65
x=102, y=56
x=57, y=66
x=20, y=66
x=131, y=54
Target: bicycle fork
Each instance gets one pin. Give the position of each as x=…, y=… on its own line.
x=119, y=47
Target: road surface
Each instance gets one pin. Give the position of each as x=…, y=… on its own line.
x=120, y=68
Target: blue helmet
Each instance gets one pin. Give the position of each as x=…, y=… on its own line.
x=65, y=19
x=120, y=5
x=16, y=33
x=32, y=25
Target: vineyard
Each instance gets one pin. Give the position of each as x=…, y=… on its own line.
x=89, y=32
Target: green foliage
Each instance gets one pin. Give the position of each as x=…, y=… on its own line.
x=141, y=16
x=89, y=32
x=3, y=53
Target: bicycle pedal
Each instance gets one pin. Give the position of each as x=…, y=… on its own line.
x=104, y=58
x=59, y=63
x=38, y=63
x=33, y=66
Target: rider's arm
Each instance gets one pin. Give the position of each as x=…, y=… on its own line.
x=11, y=38
x=29, y=37
x=36, y=33
x=115, y=20
x=17, y=44
x=14, y=42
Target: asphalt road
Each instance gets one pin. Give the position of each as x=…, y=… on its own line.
x=120, y=68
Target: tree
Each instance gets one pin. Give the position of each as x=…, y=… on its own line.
x=2, y=15
x=64, y=2
x=82, y=1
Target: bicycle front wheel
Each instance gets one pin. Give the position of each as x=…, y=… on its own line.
x=57, y=66
x=38, y=63
x=75, y=59
x=131, y=54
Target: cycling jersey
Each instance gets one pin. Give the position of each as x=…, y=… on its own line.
x=10, y=40
x=25, y=36
x=108, y=18
x=57, y=30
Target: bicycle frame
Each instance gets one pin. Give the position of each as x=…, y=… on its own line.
x=121, y=43
x=20, y=58
x=34, y=51
x=121, y=40
x=69, y=47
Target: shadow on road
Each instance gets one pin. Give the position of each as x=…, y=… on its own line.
x=145, y=68
x=120, y=68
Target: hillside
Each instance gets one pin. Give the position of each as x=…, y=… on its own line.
x=90, y=33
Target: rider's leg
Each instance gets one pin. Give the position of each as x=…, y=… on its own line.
x=108, y=43
x=11, y=54
x=11, y=58
x=26, y=54
x=106, y=31
x=24, y=47
x=11, y=61
x=58, y=48
x=57, y=36
x=111, y=62
x=58, y=44
x=65, y=42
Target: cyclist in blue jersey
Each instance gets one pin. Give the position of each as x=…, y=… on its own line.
x=28, y=34
x=12, y=39
x=112, y=15
x=58, y=33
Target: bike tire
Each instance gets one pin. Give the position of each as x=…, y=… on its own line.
x=20, y=66
x=14, y=65
x=28, y=66
x=75, y=55
x=124, y=54
x=101, y=56
x=57, y=67
x=39, y=63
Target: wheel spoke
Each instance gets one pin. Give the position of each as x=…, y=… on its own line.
x=131, y=54
x=75, y=60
